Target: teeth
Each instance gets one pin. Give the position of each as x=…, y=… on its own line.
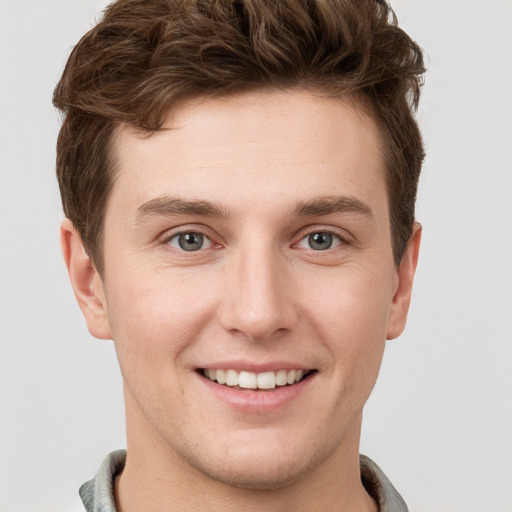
x=250, y=380
x=231, y=378
x=281, y=378
x=290, y=378
x=266, y=380
x=221, y=376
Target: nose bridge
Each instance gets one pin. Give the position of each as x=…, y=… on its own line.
x=258, y=300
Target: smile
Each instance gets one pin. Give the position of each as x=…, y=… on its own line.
x=251, y=380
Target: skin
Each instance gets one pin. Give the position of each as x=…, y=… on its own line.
x=257, y=293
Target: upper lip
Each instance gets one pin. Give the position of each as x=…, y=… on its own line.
x=246, y=366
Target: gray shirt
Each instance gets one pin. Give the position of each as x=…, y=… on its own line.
x=98, y=494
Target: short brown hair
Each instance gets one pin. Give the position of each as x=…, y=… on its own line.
x=144, y=56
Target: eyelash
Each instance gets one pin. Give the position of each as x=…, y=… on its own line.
x=337, y=240
x=168, y=240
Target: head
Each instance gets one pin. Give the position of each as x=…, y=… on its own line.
x=242, y=176
x=145, y=57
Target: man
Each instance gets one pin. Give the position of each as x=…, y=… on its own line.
x=239, y=181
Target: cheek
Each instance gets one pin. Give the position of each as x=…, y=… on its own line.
x=353, y=301
x=351, y=316
x=154, y=317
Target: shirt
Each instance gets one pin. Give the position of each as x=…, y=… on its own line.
x=98, y=494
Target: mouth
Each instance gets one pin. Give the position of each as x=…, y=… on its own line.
x=264, y=381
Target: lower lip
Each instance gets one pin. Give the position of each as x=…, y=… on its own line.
x=249, y=400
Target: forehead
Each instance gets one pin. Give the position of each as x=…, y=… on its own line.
x=275, y=146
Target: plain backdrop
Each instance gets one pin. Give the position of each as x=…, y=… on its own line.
x=440, y=419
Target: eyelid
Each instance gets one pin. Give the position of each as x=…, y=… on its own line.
x=337, y=241
x=342, y=235
x=207, y=243
x=169, y=234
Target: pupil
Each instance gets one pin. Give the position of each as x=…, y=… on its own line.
x=320, y=241
x=191, y=241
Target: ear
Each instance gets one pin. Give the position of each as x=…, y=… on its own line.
x=405, y=275
x=86, y=282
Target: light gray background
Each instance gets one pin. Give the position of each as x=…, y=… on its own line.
x=440, y=419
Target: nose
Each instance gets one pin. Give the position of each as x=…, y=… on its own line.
x=258, y=301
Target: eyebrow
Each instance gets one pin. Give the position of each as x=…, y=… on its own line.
x=168, y=206
x=332, y=204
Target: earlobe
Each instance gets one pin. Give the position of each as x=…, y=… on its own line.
x=86, y=282
x=405, y=274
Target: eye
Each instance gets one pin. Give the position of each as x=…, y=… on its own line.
x=190, y=241
x=320, y=241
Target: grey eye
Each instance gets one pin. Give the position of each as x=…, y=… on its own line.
x=320, y=241
x=190, y=241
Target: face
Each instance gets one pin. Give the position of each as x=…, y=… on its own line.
x=249, y=284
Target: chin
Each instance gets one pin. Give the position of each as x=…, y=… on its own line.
x=255, y=475
x=247, y=466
